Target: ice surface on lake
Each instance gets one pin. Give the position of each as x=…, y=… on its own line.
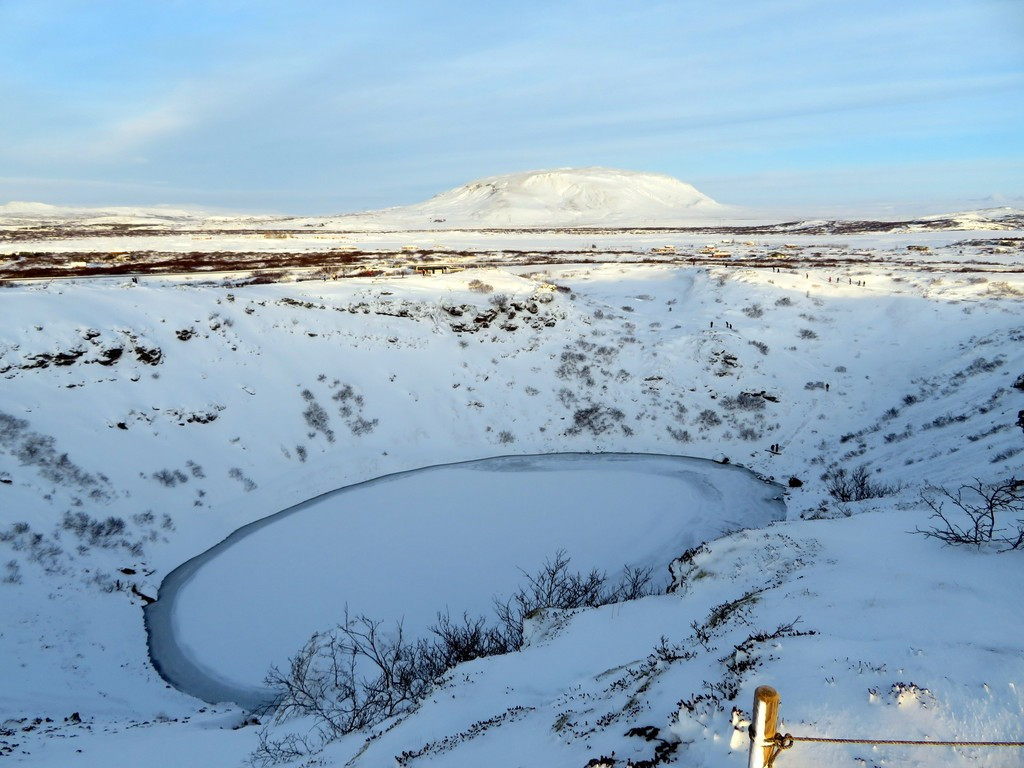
x=447, y=538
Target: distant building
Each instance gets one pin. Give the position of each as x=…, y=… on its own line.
x=432, y=269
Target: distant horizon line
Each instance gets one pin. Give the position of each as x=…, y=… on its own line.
x=909, y=207
x=903, y=209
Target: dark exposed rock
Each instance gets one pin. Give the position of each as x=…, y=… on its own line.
x=110, y=356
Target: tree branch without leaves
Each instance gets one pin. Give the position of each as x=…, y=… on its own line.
x=981, y=514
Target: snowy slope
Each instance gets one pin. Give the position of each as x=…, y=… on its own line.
x=985, y=218
x=142, y=424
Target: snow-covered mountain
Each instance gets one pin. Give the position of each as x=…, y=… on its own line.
x=30, y=213
x=552, y=199
x=571, y=197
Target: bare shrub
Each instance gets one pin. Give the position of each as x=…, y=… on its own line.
x=285, y=749
x=1009, y=453
x=555, y=586
x=170, y=477
x=595, y=419
x=856, y=485
x=760, y=346
x=455, y=642
x=359, y=674
x=807, y=333
x=316, y=417
x=1003, y=289
x=744, y=401
x=573, y=366
x=682, y=435
x=13, y=572
x=982, y=508
x=978, y=365
x=350, y=406
x=345, y=395
x=708, y=418
x=360, y=426
x=102, y=533
x=479, y=286
x=754, y=311
x=350, y=678
x=895, y=437
x=40, y=451
x=945, y=420
x=247, y=483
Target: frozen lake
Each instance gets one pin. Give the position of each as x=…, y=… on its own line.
x=445, y=538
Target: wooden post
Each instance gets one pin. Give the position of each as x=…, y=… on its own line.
x=762, y=726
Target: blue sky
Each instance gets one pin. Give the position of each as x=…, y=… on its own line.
x=318, y=107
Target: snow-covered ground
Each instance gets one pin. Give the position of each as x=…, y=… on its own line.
x=141, y=424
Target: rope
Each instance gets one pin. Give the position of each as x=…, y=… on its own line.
x=785, y=741
x=782, y=742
